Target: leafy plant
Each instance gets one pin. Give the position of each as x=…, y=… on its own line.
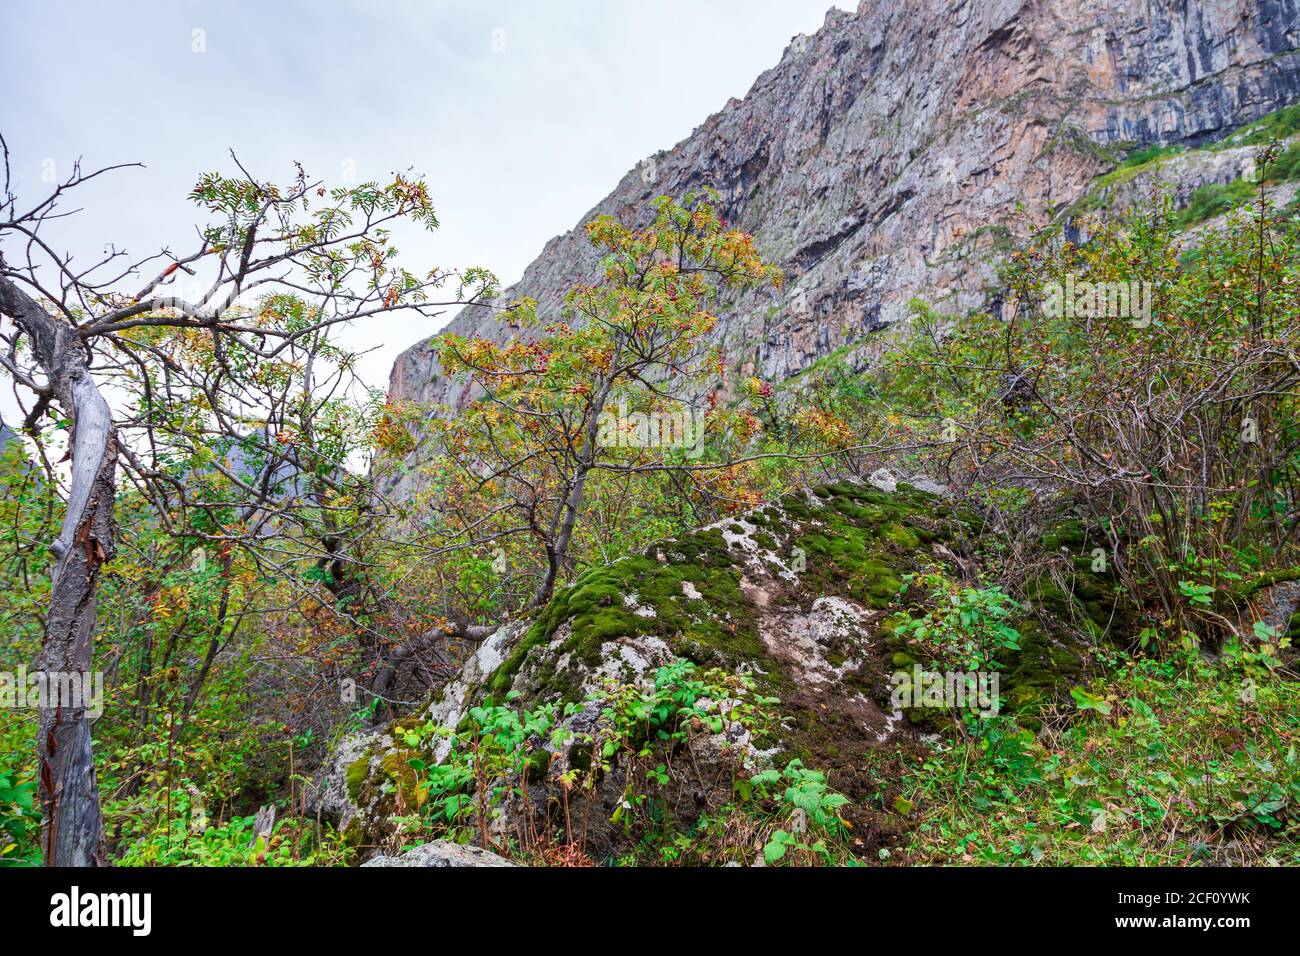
x=20, y=821
x=499, y=768
x=580, y=399
x=1178, y=761
x=232, y=844
x=809, y=809
x=966, y=628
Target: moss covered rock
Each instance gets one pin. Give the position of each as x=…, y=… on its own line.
x=797, y=594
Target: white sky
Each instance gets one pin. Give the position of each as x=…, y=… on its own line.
x=522, y=115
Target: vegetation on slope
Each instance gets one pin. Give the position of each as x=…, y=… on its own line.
x=1126, y=492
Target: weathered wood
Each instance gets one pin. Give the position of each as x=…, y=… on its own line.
x=72, y=827
x=263, y=827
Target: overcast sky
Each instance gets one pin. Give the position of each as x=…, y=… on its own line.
x=522, y=114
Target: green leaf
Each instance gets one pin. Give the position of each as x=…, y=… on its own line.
x=1087, y=701
x=775, y=848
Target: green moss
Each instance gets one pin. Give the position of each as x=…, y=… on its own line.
x=1040, y=673
x=397, y=768
x=857, y=542
x=356, y=775
x=902, y=536
x=1041, y=662
x=353, y=834
x=867, y=539
x=538, y=765
x=702, y=548
x=1269, y=578
x=796, y=507
x=717, y=628
x=580, y=757
x=930, y=720
x=1068, y=535
x=380, y=792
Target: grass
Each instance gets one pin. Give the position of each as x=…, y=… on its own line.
x=1276, y=125
x=1287, y=165
x=1215, y=199
x=1147, y=154
x=1180, y=768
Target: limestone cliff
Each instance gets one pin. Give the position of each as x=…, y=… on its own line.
x=885, y=156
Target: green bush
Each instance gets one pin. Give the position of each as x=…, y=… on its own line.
x=186, y=840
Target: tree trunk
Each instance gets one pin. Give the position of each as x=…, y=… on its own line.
x=71, y=825
x=558, y=553
x=72, y=831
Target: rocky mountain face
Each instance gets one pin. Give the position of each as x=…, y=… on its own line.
x=886, y=156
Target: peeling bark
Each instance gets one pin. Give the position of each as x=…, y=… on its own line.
x=71, y=824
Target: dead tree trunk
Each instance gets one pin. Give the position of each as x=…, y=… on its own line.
x=71, y=825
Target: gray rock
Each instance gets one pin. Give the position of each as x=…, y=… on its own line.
x=1275, y=606
x=327, y=795
x=442, y=853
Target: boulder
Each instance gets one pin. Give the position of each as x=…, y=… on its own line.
x=796, y=595
x=442, y=853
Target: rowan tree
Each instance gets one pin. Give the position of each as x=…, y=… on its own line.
x=621, y=384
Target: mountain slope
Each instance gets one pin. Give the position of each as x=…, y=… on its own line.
x=885, y=156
